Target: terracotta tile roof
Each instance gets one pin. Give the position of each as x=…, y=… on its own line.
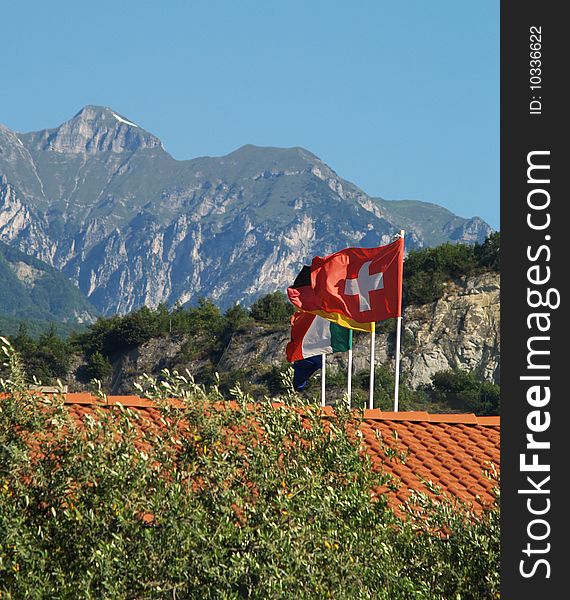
x=453, y=451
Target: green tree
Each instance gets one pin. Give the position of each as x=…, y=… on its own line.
x=118, y=333
x=47, y=358
x=206, y=318
x=22, y=341
x=98, y=367
x=272, y=308
x=488, y=253
x=236, y=317
x=132, y=330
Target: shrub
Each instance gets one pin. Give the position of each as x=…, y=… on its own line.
x=462, y=556
x=461, y=390
x=193, y=510
x=384, y=389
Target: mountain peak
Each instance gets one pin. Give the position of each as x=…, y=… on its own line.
x=102, y=114
x=273, y=153
x=92, y=130
x=255, y=159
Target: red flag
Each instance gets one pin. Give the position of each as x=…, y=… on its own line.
x=363, y=284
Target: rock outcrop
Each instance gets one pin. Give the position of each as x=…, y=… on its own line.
x=461, y=330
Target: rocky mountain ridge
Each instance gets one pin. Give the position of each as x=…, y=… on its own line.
x=101, y=200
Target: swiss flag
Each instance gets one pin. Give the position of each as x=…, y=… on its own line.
x=363, y=284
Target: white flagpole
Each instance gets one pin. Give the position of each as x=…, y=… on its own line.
x=398, y=342
x=372, y=364
x=323, y=380
x=349, y=381
x=349, y=385
x=397, y=376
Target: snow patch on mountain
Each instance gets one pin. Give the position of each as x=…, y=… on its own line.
x=123, y=120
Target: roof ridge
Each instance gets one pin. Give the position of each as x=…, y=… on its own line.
x=457, y=418
x=369, y=414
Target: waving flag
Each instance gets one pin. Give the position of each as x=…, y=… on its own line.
x=361, y=284
x=312, y=335
x=302, y=287
x=303, y=369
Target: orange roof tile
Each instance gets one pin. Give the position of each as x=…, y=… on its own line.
x=451, y=451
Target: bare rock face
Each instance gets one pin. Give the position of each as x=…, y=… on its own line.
x=259, y=345
x=461, y=330
x=150, y=358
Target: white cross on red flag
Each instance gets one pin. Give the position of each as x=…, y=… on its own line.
x=363, y=284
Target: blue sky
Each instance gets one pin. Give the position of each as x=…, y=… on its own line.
x=401, y=98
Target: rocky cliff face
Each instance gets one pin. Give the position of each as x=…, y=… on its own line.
x=100, y=199
x=461, y=330
x=91, y=132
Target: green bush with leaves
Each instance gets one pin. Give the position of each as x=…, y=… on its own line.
x=463, y=391
x=427, y=270
x=383, y=390
x=225, y=500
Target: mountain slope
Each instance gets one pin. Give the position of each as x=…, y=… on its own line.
x=100, y=199
x=432, y=224
x=31, y=289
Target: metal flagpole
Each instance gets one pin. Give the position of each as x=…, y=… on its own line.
x=323, y=380
x=398, y=342
x=397, y=376
x=372, y=348
x=349, y=382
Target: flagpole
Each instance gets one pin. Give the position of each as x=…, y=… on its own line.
x=323, y=380
x=397, y=375
x=372, y=365
x=349, y=381
x=398, y=343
